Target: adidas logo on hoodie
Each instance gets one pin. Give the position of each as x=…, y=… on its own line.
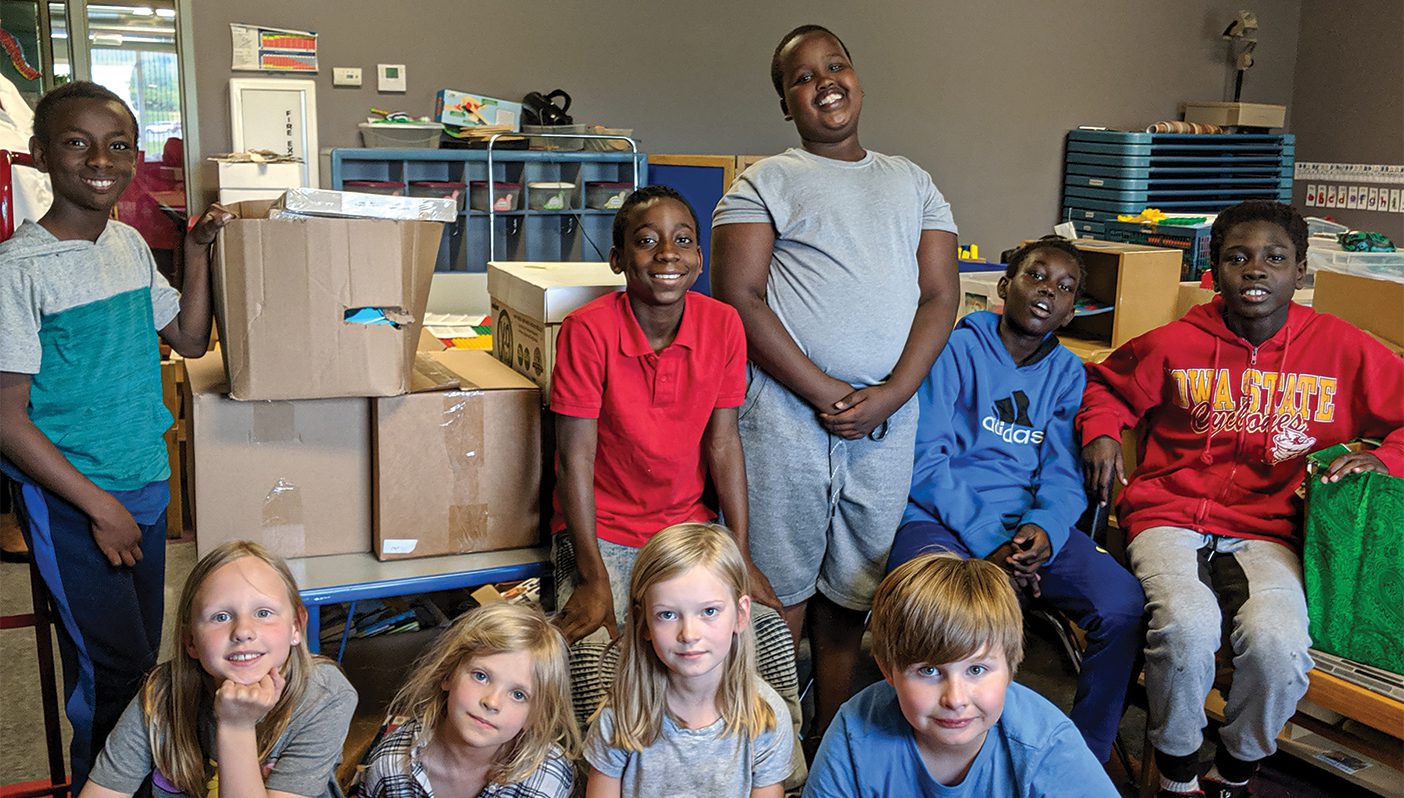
x=1010, y=421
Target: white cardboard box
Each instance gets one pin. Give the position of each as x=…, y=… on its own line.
x=529, y=302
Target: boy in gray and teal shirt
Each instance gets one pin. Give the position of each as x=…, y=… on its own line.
x=81, y=414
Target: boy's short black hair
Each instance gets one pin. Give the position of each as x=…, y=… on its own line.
x=76, y=90
x=777, y=75
x=1284, y=216
x=1016, y=258
x=641, y=196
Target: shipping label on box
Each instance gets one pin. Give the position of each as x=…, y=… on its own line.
x=529, y=302
x=462, y=109
x=294, y=476
x=321, y=307
x=457, y=464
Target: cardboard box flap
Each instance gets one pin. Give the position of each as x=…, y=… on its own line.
x=1375, y=306
x=549, y=291
x=478, y=370
x=430, y=376
x=205, y=375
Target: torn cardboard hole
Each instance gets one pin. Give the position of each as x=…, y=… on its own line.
x=375, y=316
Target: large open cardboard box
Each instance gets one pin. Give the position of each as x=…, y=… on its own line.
x=292, y=475
x=1375, y=306
x=282, y=290
x=457, y=463
x=529, y=302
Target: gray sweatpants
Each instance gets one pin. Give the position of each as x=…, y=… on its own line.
x=824, y=509
x=1193, y=582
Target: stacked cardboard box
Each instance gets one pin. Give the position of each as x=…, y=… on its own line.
x=529, y=302
x=316, y=433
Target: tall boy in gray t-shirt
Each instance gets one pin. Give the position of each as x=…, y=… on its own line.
x=808, y=245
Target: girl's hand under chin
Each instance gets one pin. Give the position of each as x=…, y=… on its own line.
x=244, y=705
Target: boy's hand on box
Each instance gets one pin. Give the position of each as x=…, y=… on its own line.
x=1353, y=463
x=588, y=608
x=860, y=412
x=207, y=226
x=117, y=535
x=1101, y=463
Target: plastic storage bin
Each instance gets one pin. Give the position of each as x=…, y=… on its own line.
x=606, y=196
x=388, y=187
x=608, y=145
x=1379, y=265
x=549, y=196
x=442, y=189
x=401, y=135
x=536, y=141
x=505, y=196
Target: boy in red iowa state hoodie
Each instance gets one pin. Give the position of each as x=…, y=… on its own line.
x=1228, y=401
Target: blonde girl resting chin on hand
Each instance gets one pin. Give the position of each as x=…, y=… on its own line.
x=243, y=710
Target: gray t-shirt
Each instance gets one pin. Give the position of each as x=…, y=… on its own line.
x=696, y=763
x=303, y=760
x=843, y=274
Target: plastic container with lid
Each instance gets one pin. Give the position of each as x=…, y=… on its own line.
x=443, y=189
x=549, y=196
x=539, y=142
x=391, y=188
x=606, y=196
x=401, y=135
x=505, y=196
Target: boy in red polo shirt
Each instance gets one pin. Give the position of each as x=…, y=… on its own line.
x=645, y=390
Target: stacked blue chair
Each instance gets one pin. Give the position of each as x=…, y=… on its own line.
x=1109, y=172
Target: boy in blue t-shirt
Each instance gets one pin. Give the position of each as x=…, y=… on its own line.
x=996, y=474
x=948, y=720
x=81, y=415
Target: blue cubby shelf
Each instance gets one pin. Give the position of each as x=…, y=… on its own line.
x=576, y=233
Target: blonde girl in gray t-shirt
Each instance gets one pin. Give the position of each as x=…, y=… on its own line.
x=687, y=714
x=243, y=708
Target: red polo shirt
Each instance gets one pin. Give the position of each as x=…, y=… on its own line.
x=652, y=408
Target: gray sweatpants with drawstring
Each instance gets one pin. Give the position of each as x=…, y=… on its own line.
x=823, y=509
x=1201, y=589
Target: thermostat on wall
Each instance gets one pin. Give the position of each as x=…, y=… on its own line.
x=390, y=77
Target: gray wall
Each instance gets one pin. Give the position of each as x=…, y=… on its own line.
x=1349, y=95
x=980, y=94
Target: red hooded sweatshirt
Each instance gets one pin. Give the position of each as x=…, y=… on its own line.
x=1225, y=427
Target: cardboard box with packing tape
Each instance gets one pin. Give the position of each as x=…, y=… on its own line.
x=320, y=308
x=457, y=462
x=529, y=302
x=292, y=475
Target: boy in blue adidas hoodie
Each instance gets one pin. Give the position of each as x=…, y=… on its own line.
x=996, y=473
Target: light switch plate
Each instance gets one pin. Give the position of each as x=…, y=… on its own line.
x=346, y=76
x=390, y=77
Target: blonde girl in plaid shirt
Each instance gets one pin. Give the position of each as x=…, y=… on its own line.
x=486, y=712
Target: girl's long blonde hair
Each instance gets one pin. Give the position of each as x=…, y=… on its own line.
x=638, y=696
x=500, y=628
x=178, y=693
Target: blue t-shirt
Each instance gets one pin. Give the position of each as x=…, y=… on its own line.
x=1034, y=750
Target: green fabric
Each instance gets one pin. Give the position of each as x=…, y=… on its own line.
x=1353, y=565
x=97, y=395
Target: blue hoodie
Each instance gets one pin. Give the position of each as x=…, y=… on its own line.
x=994, y=446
